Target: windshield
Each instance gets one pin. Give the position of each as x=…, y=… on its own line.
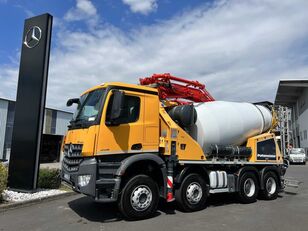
x=297, y=150
x=88, y=108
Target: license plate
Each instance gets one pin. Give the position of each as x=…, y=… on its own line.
x=66, y=176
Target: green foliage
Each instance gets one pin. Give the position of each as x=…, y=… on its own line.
x=49, y=178
x=3, y=178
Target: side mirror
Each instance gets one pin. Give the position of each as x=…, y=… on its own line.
x=71, y=101
x=117, y=105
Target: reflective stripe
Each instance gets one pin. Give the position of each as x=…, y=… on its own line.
x=227, y=162
x=170, y=196
x=123, y=152
x=170, y=182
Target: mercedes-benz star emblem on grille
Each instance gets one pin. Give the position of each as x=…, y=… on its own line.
x=33, y=37
x=70, y=149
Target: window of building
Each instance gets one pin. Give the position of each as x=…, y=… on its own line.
x=53, y=122
x=302, y=103
x=9, y=130
x=295, y=112
x=48, y=121
x=305, y=135
x=301, y=135
x=130, y=111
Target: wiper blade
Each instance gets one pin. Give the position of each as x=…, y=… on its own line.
x=78, y=123
x=75, y=120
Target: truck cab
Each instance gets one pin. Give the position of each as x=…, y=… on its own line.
x=112, y=122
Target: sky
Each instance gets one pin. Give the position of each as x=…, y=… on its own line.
x=238, y=48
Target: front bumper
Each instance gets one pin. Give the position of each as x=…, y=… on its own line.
x=297, y=159
x=100, y=188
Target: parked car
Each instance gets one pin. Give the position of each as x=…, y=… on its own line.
x=297, y=155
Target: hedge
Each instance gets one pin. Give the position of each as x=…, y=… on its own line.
x=3, y=179
x=49, y=178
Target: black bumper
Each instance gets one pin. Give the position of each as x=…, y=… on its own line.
x=100, y=188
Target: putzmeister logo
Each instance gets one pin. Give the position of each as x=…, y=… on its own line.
x=33, y=37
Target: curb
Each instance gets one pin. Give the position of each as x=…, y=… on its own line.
x=15, y=205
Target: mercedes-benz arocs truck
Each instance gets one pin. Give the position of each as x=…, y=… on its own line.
x=127, y=145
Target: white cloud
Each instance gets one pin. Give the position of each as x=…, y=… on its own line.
x=8, y=82
x=239, y=49
x=84, y=10
x=141, y=6
x=28, y=12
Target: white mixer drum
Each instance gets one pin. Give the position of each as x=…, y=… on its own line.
x=229, y=123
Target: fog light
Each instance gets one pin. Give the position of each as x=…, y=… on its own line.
x=83, y=180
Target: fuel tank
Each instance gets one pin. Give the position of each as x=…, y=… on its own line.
x=229, y=123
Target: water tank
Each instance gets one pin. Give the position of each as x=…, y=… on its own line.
x=229, y=123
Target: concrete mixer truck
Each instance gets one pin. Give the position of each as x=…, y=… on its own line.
x=168, y=138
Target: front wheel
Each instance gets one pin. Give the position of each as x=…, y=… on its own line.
x=192, y=194
x=139, y=198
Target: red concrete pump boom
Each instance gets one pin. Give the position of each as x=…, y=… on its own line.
x=177, y=89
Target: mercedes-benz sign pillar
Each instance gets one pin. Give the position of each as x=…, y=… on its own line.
x=30, y=104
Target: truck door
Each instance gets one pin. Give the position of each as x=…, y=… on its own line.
x=127, y=137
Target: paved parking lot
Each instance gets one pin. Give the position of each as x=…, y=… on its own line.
x=288, y=212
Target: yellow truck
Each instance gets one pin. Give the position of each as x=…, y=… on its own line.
x=126, y=144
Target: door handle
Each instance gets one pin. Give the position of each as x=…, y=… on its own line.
x=136, y=146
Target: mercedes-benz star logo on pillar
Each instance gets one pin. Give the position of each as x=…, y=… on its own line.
x=33, y=37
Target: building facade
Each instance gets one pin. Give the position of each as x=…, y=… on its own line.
x=55, y=127
x=294, y=95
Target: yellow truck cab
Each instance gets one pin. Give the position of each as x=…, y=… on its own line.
x=126, y=145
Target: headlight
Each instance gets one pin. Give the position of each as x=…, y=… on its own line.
x=83, y=180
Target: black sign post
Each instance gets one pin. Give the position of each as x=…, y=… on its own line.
x=30, y=104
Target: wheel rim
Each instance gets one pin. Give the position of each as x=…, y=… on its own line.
x=249, y=187
x=141, y=198
x=194, y=193
x=271, y=185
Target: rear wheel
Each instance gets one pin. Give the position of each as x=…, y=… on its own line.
x=248, y=188
x=270, y=185
x=192, y=194
x=139, y=197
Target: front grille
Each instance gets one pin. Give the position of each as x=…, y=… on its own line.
x=72, y=150
x=298, y=159
x=72, y=157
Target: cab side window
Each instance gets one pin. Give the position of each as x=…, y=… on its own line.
x=266, y=147
x=130, y=112
x=266, y=150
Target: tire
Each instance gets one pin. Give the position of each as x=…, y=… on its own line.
x=139, y=198
x=248, y=188
x=192, y=194
x=270, y=185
